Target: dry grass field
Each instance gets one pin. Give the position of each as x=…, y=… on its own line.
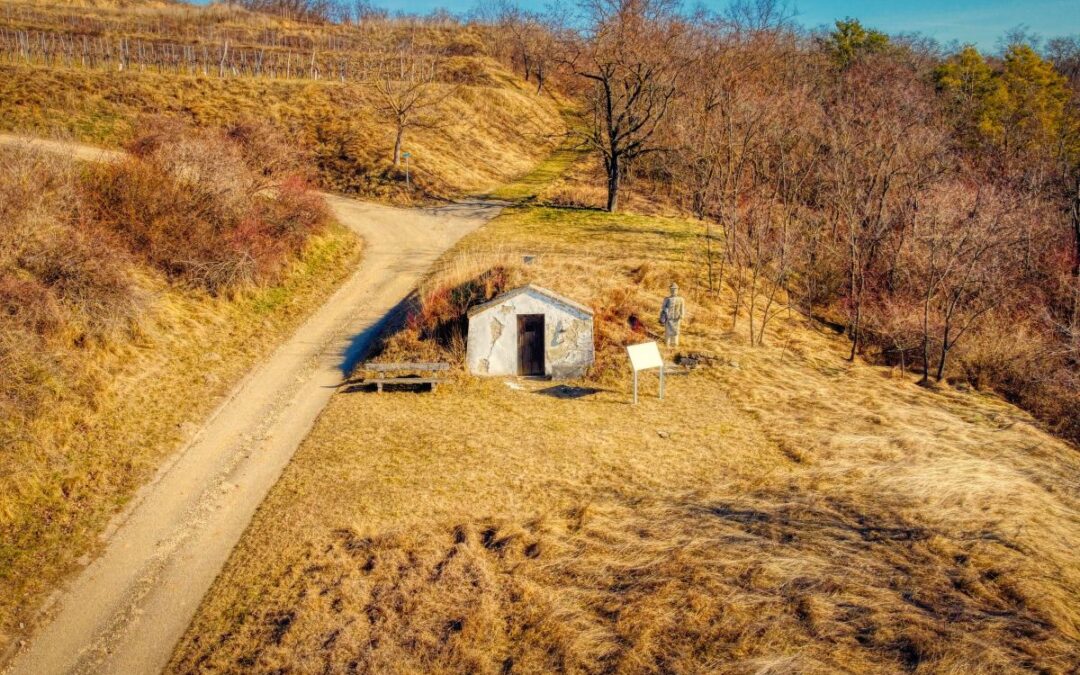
x=505, y=128
x=783, y=510
x=492, y=126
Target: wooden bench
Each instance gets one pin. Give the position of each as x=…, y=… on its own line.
x=383, y=371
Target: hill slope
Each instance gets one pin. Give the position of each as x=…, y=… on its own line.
x=783, y=509
x=91, y=73
x=124, y=322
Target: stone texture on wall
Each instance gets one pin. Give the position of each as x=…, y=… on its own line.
x=493, y=338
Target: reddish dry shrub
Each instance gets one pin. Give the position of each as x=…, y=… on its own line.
x=176, y=230
x=194, y=206
x=617, y=323
x=266, y=152
x=294, y=214
x=89, y=278
x=437, y=324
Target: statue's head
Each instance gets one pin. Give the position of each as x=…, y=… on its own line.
x=674, y=288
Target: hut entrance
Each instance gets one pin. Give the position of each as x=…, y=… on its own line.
x=530, y=344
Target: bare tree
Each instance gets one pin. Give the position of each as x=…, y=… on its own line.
x=303, y=10
x=962, y=264
x=527, y=36
x=633, y=64
x=883, y=148
x=405, y=90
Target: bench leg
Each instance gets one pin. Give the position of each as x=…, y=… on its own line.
x=433, y=386
x=378, y=387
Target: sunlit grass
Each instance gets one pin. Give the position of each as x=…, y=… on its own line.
x=506, y=129
x=783, y=510
x=86, y=462
x=529, y=186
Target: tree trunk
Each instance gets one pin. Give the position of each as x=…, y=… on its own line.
x=397, y=145
x=926, y=342
x=1076, y=254
x=855, y=332
x=613, y=184
x=708, y=254
x=854, y=295
x=944, y=352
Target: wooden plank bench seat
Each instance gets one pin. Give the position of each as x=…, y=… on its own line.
x=384, y=377
x=407, y=365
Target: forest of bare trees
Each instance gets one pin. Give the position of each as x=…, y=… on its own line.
x=926, y=200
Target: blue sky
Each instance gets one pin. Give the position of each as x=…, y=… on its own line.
x=981, y=22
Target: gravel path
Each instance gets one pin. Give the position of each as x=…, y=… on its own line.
x=127, y=609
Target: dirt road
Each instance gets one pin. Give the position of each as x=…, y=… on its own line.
x=127, y=609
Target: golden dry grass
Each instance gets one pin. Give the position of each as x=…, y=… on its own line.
x=77, y=465
x=492, y=133
x=782, y=511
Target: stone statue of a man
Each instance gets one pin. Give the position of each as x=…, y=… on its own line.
x=671, y=315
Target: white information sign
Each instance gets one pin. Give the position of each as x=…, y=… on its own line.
x=645, y=356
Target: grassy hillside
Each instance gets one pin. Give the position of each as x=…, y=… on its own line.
x=783, y=510
x=134, y=295
x=102, y=70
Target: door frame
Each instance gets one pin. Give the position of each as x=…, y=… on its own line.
x=540, y=346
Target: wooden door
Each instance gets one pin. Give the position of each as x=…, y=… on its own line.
x=530, y=344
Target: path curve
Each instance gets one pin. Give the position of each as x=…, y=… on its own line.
x=125, y=611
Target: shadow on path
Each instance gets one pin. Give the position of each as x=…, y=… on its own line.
x=359, y=345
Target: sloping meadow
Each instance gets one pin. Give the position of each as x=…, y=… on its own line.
x=783, y=510
x=474, y=137
x=93, y=72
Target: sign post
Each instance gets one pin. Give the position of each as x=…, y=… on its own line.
x=645, y=356
x=406, y=156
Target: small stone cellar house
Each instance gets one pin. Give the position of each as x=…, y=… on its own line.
x=530, y=331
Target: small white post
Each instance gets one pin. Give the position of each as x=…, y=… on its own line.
x=661, y=382
x=635, y=387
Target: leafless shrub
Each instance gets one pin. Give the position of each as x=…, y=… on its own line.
x=209, y=208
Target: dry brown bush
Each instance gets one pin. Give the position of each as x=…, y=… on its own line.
x=198, y=205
